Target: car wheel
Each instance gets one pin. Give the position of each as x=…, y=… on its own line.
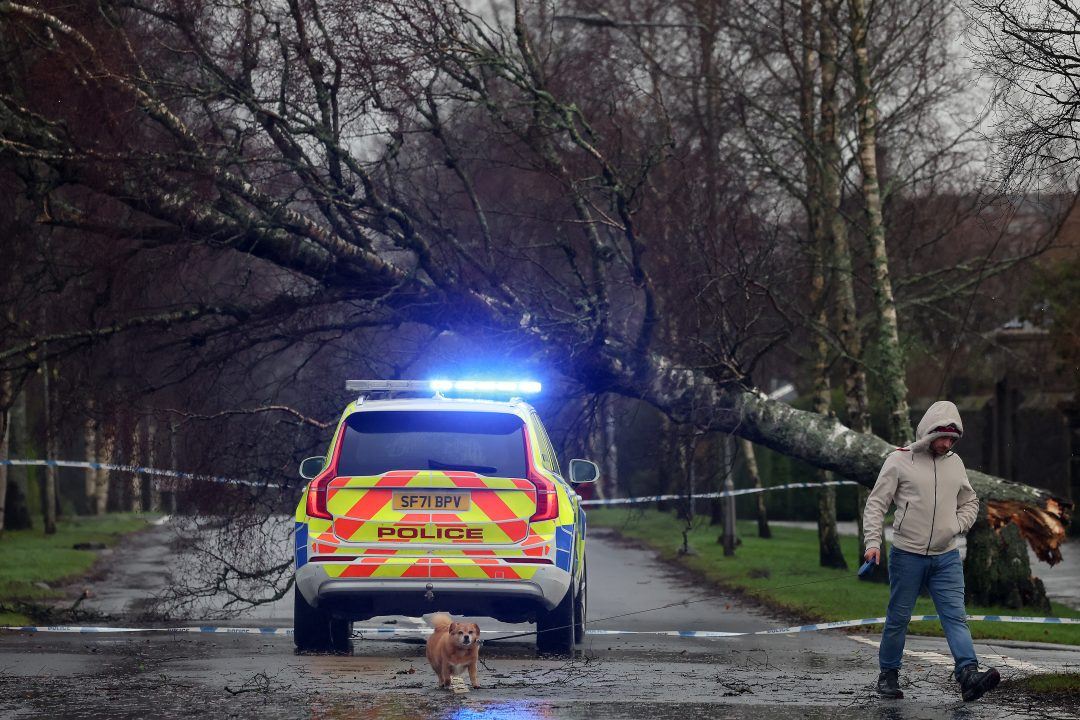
x=581, y=607
x=555, y=628
x=316, y=631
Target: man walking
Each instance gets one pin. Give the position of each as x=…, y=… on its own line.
x=928, y=484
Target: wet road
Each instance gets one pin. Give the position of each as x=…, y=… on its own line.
x=820, y=675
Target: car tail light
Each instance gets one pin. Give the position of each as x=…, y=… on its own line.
x=547, y=499
x=316, y=497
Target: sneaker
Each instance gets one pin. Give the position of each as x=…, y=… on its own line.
x=888, y=684
x=975, y=684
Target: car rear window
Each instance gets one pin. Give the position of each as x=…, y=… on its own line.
x=484, y=443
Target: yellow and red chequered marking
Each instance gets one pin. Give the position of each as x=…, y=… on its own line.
x=320, y=548
x=482, y=569
x=349, y=519
x=385, y=567
x=535, y=545
x=362, y=505
x=461, y=568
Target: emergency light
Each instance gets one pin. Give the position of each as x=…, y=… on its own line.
x=514, y=387
x=479, y=387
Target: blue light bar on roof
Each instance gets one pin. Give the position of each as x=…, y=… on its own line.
x=501, y=387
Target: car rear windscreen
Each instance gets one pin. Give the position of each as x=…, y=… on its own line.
x=480, y=442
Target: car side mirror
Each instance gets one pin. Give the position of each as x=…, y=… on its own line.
x=311, y=467
x=583, y=471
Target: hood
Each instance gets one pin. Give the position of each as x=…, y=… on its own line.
x=941, y=414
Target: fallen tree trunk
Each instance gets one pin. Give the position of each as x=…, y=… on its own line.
x=825, y=442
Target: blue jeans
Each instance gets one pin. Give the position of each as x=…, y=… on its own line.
x=944, y=576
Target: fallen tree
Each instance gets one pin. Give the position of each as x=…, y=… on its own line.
x=238, y=143
x=822, y=441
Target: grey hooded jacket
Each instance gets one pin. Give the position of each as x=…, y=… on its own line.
x=933, y=498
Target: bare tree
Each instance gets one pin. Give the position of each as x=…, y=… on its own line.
x=889, y=350
x=1029, y=51
x=750, y=457
x=835, y=257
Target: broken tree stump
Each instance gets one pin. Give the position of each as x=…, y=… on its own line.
x=997, y=570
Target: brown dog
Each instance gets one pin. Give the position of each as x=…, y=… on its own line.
x=453, y=647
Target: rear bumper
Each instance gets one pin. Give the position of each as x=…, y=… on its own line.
x=406, y=596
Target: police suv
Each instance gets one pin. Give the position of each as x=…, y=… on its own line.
x=440, y=503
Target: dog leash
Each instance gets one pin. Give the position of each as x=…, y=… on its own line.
x=681, y=603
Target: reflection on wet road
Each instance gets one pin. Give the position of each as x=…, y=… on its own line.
x=252, y=677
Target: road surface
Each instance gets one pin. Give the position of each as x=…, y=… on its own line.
x=819, y=675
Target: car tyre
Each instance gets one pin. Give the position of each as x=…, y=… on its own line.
x=555, y=628
x=581, y=607
x=316, y=631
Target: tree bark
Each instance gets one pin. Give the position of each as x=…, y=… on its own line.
x=684, y=478
x=6, y=392
x=665, y=469
x=170, y=496
x=135, y=480
x=154, y=487
x=755, y=480
x=594, y=442
x=718, y=462
x=997, y=570
x=17, y=510
x=90, y=452
x=855, y=393
x=829, y=552
x=106, y=442
x=834, y=263
x=891, y=361
x=48, y=495
x=730, y=535
x=611, y=449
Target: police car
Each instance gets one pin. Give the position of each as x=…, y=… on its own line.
x=440, y=503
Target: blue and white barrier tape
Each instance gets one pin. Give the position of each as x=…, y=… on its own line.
x=175, y=474
x=386, y=630
x=721, y=494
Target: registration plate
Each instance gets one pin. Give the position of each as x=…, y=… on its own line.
x=431, y=501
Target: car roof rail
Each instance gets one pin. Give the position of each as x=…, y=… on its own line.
x=389, y=388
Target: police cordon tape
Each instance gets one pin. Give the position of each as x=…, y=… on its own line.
x=708, y=495
x=391, y=631
x=175, y=474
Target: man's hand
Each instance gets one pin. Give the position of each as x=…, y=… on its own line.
x=873, y=554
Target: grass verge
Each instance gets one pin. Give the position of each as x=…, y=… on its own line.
x=1066, y=683
x=775, y=572
x=1060, y=691
x=31, y=560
